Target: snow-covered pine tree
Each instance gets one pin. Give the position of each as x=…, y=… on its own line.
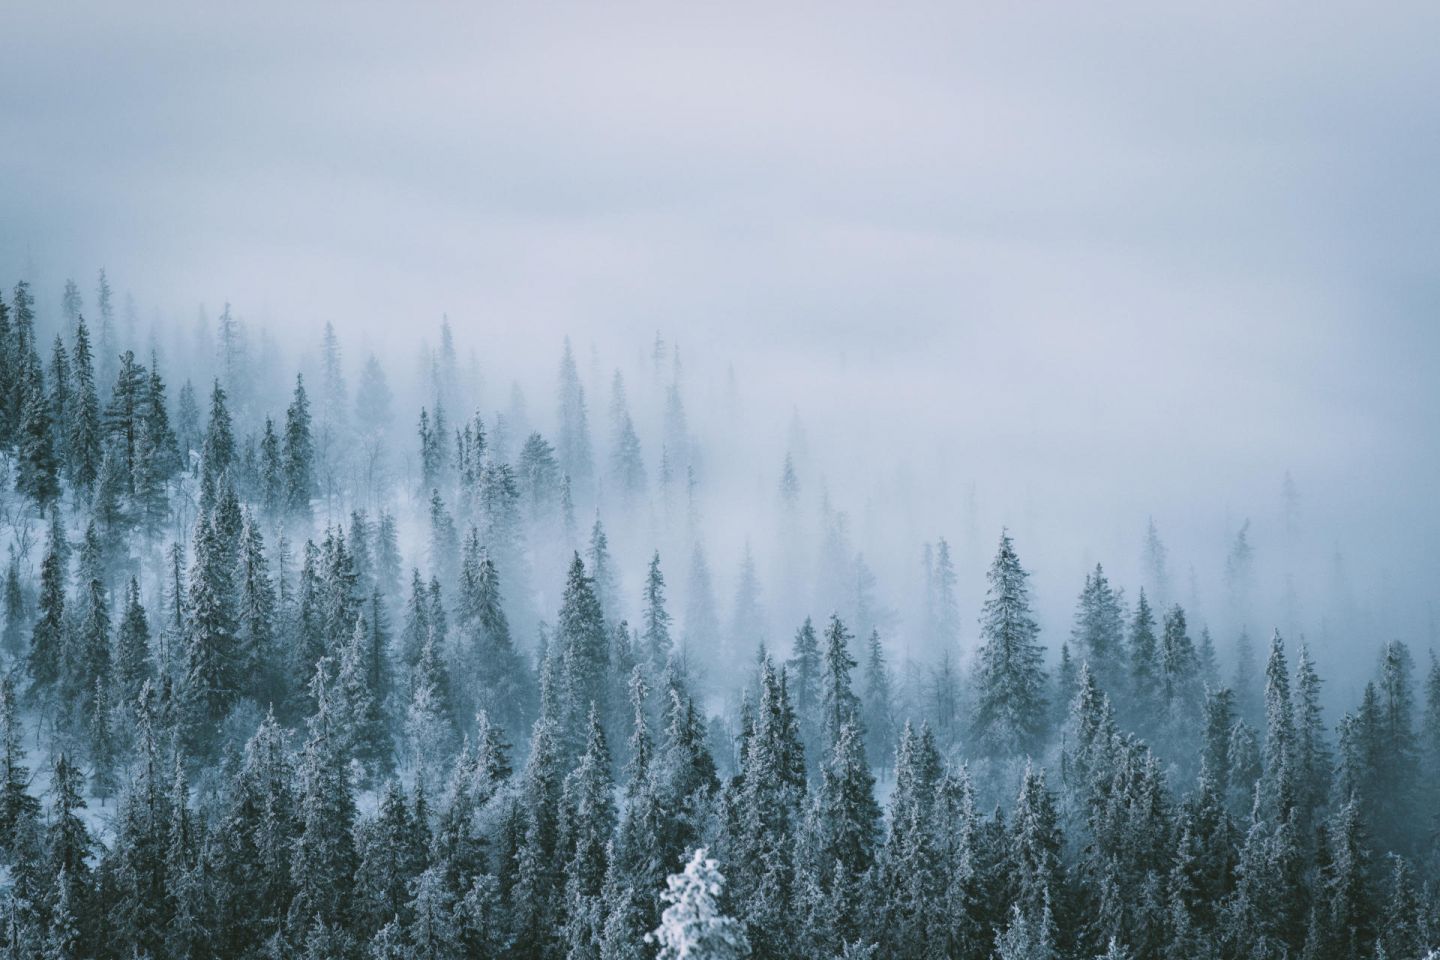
x=693, y=926
x=1009, y=715
x=298, y=455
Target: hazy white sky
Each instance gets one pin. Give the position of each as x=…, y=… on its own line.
x=1178, y=247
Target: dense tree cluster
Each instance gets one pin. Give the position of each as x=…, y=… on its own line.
x=235, y=723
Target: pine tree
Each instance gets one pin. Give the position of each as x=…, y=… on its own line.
x=848, y=815
x=359, y=726
x=12, y=639
x=839, y=704
x=574, y=440
x=341, y=601
x=156, y=419
x=104, y=748
x=947, y=603
x=416, y=629
x=804, y=670
x=583, y=648
x=431, y=440
x=432, y=932
x=391, y=847
x=747, y=620
x=308, y=644
x=373, y=399
x=429, y=729
x=38, y=468
x=505, y=688
x=587, y=800
x=258, y=827
x=1099, y=630
x=387, y=557
x=655, y=636
x=272, y=472
x=1346, y=896
x=298, y=454
x=124, y=415
x=256, y=651
x=19, y=811
x=539, y=475
x=693, y=924
x=211, y=680
x=700, y=646
x=444, y=541
x=1395, y=783
x=324, y=858
x=1312, y=760
x=602, y=572
x=133, y=666
x=67, y=839
x=879, y=712
x=534, y=896
x=627, y=465
x=187, y=423
x=1279, y=784
x=1182, y=692
x=9, y=376
x=61, y=401
x=1033, y=866
x=1145, y=667
x=1009, y=714
x=47, y=639
x=1247, y=691
x=219, y=447
x=87, y=653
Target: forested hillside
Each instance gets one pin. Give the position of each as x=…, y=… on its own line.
x=297, y=669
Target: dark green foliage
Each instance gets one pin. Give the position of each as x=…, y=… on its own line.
x=297, y=455
x=1009, y=715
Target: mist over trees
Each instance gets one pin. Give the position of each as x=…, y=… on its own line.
x=310, y=651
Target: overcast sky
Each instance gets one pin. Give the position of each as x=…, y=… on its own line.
x=1152, y=254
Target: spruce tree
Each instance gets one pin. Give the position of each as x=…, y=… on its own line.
x=12, y=639
x=1098, y=632
x=1312, y=759
x=133, y=664
x=125, y=413
x=627, y=465
x=428, y=725
x=19, y=811
x=211, y=677
x=272, y=472
x=61, y=403
x=574, y=437
x=947, y=603
x=47, y=638
x=583, y=648
x=87, y=653
x=37, y=475
x=1009, y=716
x=588, y=821
x=693, y=924
x=839, y=704
x=1182, y=692
x=848, y=814
x=602, y=572
x=324, y=859
x=298, y=454
x=879, y=713
x=256, y=649
x=1145, y=668
x=219, y=445
x=655, y=636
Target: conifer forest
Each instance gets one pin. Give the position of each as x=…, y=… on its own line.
x=522, y=485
